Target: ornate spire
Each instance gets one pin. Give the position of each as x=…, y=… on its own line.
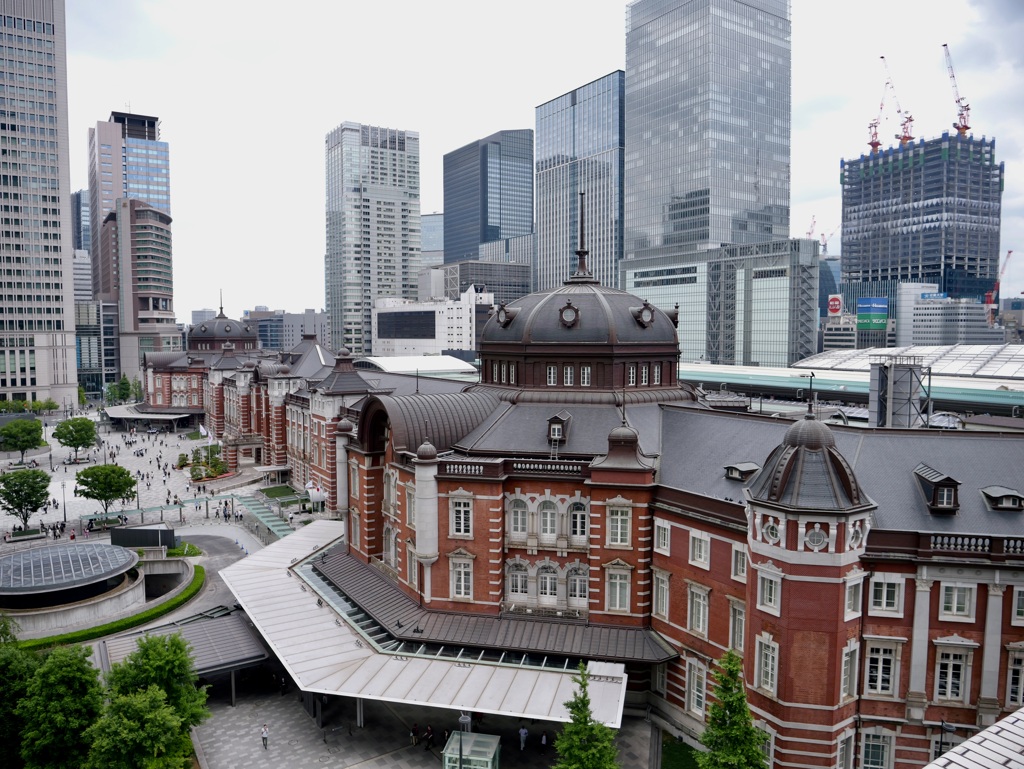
x=582, y=274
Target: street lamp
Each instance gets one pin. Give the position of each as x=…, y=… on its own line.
x=64, y=498
x=943, y=729
x=464, y=721
x=137, y=506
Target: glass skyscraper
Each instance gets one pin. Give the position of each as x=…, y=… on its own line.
x=707, y=124
x=373, y=226
x=580, y=139
x=488, y=193
x=37, y=325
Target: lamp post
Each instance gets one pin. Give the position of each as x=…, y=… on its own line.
x=464, y=721
x=811, y=377
x=943, y=729
x=64, y=499
x=137, y=505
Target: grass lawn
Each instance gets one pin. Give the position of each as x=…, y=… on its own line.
x=677, y=755
x=193, y=436
x=274, y=492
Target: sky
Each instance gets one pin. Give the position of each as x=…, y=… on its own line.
x=246, y=97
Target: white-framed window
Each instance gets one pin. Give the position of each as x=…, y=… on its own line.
x=877, y=751
x=700, y=549
x=953, y=673
x=618, y=591
x=548, y=513
x=697, y=614
x=462, y=579
x=766, y=663
x=945, y=496
x=659, y=678
x=585, y=376
x=577, y=587
x=1017, y=615
x=662, y=537
x=645, y=374
x=619, y=525
x=353, y=534
x=737, y=624
x=848, y=682
x=410, y=506
x=769, y=592
x=518, y=515
x=854, y=589
x=578, y=521
x=390, y=491
x=511, y=373
x=1015, y=679
x=504, y=371
x=739, y=563
x=844, y=752
x=696, y=687
x=882, y=669
x=547, y=585
x=353, y=481
x=957, y=602
x=887, y=595
x=552, y=376
x=631, y=375
x=661, y=594
x=567, y=375
x=461, y=517
x=412, y=568
x=518, y=583
x=494, y=371
x=656, y=371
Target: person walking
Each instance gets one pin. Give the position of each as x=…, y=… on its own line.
x=414, y=734
x=523, y=732
x=428, y=738
x=265, y=733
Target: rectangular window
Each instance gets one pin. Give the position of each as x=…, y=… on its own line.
x=585, y=376
x=945, y=496
x=547, y=586
x=1015, y=681
x=739, y=563
x=696, y=687
x=504, y=372
x=548, y=520
x=413, y=568
x=462, y=579
x=698, y=614
x=880, y=670
x=853, y=592
x=659, y=679
x=518, y=523
x=511, y=373
x=766, y=664
x=768, y=588
x=578, y=523
x=844, y=753
x=552, y=376
x=700, y=549
x=848, y=684
x=518, y=585
x=958, y=602
x=567, y=375
x=657, y=374
x=631, y=375
x=618, y=526
x=950, y=678
x=410, y=506
x=661, y=537
x=661, y=595
x=876, y=751
x=1017, y=617
x=644, y=375
x=618, y=592
x=737, y=625
x=887, y=594
x=462, y=518
x=494, y=371
x=353, y=481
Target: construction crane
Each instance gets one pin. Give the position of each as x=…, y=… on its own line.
x=873, y=141
x=906, y=119
x=814, y=221
x=992, y=297
x=963, y=109
x=825, y=239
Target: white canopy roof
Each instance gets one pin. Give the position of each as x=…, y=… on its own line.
x=324, y=654
x=1000, y=746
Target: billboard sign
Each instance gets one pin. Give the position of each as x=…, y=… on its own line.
x=835, y=304
x=935, y=295
x=872, y=313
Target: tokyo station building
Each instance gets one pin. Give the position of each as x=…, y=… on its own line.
x=580, y=503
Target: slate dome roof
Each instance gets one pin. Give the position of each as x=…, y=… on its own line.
x=223, y=327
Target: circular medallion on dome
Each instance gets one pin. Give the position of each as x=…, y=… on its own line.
x=569, y=315
x=647, y=315
x=770, y=530
x=816, y=539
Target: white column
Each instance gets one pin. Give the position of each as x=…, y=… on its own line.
x=988, y=702
x=917, y=697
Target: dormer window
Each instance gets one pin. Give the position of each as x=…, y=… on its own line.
x=555, y=432
x=940, y=491
x=558, y=427
x=741, y=471
x=945, y=496
x=1003, y=498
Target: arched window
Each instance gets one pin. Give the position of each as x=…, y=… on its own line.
x=547, y=585
x=548, y=521
x=518, y=583
x=517, y=516
x=578, y=587
x=578, y=519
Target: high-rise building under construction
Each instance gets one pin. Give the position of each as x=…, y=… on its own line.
x=923, y=212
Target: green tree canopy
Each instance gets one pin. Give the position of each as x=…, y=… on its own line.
x=81, y=396
x=138, y=730
x=17, y=667
x=106, y=484
x=136, y=389
x=23, y=492
x=124, y=388
x=111, y=393
x=164, y=661
x=76, y=433
x=585, y=743
x=21, y=435
x=62, y=700
x=731, y=739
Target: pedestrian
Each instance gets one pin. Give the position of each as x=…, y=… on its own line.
x=265, y=733
x=522, y=736
x=414, y=734
x=543, y=740
x=428, y=738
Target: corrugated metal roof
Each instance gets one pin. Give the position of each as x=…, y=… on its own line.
x=1000, y=746
x=324, y=654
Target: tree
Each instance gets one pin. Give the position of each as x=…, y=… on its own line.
x=62, y=700
x=138, y=730
x=21, y=435
x=111, y=393
x=136, y=389
x=732, y=740
x=106, y=484
x=164, y=661
x=23, y=492
x=76, y=433
x=17, y=667
x=124, y=388
x=82, y=400
x=585, y=743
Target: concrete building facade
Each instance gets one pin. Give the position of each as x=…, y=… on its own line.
x=404, y=327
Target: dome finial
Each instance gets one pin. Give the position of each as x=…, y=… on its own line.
x=582, y=274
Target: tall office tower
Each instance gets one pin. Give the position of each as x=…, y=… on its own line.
x=926, y=212
x=708, y=113
x=80, y=221
x=488, y=193
x=134, y=251
x=37, y=327
x=126, y=160
x=373, y=226
x=82, y=275
x=432, y=232
x=580, y=143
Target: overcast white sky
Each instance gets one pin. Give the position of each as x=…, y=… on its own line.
x=246, y=93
